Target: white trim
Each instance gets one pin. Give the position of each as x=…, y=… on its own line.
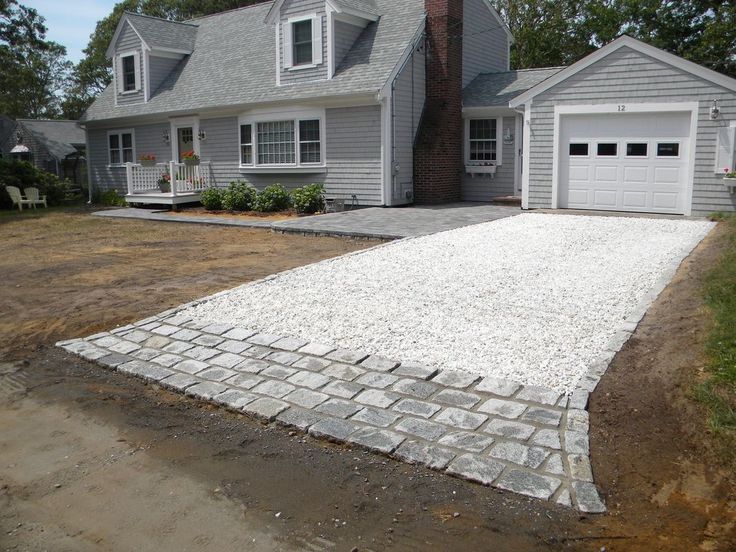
x=387, y=176
x=146, y=77
x=170, y=52
x=296, y=115
x=119, y=133
x=348, y=12
x=287, y=49
x=675, y=107
x=499, y=139
x=641, y=47
x=274, y=12
x=317, y=27
x=518, y=135
x=278, y=54
x=413, y=43
x=182, y=122
x=317, y=54
x=527, y=148
x=277, y=169
x=330, y=14
x=111, y=48
x=668, y=141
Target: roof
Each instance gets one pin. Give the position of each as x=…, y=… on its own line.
x=498, y=89
x=59, y=137
x=365, y=6
x=641, y=47
x=157, y=33
x=233, y=64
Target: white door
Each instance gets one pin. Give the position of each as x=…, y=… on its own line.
x=625, y=162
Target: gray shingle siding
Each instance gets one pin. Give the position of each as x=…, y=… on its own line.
x=159, y=68
x=484, y=188
x=352, y=148
x=345, y=36
x=296, y=8
x=629, y=76
x=128, y=41
x=408, y=104
x=485, y=42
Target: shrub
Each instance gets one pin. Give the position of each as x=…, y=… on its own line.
x=211, y=198
x=309, y=199
x=240, y=196
x=113, y=198
x=22, y=174
x=273, y=198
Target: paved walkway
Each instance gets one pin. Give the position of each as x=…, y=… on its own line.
x=373, y=222
x=528, y=440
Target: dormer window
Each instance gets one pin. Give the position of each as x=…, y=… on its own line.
x=129, y=80
x=302, y=33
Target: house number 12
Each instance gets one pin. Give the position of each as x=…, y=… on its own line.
x=622, y=108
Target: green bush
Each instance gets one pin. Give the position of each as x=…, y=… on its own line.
x=273, y=198
x=240, y=196
x=211, y=198
x=113, y=198
x=309, y=199
x=22, y=174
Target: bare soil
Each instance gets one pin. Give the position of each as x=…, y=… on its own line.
x=240, y=215
x=93, y=460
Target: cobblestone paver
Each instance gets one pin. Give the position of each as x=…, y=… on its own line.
x=527, y=440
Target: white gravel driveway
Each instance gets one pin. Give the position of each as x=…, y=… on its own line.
x=533, y=298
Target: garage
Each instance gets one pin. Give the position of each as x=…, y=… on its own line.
x=623, y=161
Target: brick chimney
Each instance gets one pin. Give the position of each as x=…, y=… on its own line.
x=438, y=152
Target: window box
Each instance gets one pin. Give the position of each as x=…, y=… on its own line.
x=482, y=170
x=730, y=183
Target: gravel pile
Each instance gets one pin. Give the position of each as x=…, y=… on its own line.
x=533, y=298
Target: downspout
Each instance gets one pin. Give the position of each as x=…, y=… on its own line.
x=87, y=164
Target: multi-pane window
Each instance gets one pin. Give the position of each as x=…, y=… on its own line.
x=292, y=142
x=246, y=144
x=483, y=142
x=309, y=141
x=302, y=42
x=276, y=143
x=128, y=73
x=121, y=148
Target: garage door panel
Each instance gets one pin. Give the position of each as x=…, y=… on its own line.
x=635, y=180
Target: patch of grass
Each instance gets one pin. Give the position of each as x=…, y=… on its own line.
x=718, y=392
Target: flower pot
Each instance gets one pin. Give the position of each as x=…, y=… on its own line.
x=148, y=163
x=191, y=162
x=165, y=188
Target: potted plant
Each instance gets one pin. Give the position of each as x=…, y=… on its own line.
x=190, y=158
x=730, y=176
x=164, y=183
x=148, y=160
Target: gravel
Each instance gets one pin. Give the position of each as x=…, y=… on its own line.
x=533, y=298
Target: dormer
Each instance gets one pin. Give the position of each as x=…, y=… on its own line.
x=143, y=52
x=313, y=36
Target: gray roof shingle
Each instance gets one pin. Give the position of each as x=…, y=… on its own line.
x=160, y=33
x=498, y=89
x=59, y=137
x=367, y=6
x=233, y=64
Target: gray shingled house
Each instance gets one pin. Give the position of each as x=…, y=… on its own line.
x=56, y=146
x=389, y=103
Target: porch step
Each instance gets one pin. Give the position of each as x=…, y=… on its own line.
x=514, y=201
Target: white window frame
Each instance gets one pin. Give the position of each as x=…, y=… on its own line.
x=573, y=141
x=499, y=140
x=271, y=117
x=135, y=54
x=656, y=149
x=119, y=134
x=288, y=47
x=635, y=141
x=618, y=149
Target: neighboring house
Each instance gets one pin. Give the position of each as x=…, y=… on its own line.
x=56, y=146
x=389, y=103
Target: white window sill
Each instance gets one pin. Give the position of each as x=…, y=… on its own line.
x=301, y=67
x=284, y=170
x=116, y=166
x=129, y=92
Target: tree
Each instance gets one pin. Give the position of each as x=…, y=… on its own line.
x=34, y=70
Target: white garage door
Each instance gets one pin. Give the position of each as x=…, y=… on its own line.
x=625, y=162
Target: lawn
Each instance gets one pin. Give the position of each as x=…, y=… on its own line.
x=718, y=392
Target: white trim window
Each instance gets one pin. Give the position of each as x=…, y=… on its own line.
x=128, y=72
x=483, y=142
x=121, y=147
x=280, y=142
x=303, y=42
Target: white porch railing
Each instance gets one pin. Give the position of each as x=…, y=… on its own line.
x=185, y=179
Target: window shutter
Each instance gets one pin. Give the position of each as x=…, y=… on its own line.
x=118, y=69
x=137, y=65
x=726, y=148
x=288, y=47
x=317, y=40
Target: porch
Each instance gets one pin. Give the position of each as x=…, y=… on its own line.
x=186, y=183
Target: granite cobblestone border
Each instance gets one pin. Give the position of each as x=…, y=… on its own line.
x=524, y=439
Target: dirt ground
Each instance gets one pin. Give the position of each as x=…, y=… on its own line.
x=92, y=460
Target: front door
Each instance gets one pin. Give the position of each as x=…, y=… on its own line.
x=185, y=140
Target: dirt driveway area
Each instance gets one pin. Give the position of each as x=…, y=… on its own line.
x=93, y=460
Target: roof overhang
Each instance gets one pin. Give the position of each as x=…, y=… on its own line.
x=634, y=44
x=349, y=12
x=20, y=148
